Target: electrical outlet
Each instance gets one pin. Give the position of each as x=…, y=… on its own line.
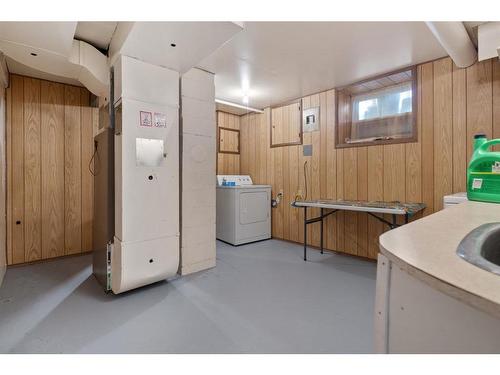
x=307, y=150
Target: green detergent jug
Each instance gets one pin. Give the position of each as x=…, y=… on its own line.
x=483, y=174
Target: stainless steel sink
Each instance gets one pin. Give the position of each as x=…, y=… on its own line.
x=481, y=247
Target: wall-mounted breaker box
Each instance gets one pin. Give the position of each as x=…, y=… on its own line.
x=310, y=119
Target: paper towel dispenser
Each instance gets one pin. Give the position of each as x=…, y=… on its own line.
x=149, y=152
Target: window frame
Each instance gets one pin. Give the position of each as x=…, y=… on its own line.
x=340, y=127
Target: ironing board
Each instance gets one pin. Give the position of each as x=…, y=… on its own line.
x=372, y=208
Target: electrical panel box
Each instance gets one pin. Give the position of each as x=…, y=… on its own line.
x=310, y=119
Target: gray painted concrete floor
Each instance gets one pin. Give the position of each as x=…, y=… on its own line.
x=261, y=298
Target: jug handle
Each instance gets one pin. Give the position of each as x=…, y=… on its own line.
x=486, y=146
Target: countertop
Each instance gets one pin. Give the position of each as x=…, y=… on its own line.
x=427, y=249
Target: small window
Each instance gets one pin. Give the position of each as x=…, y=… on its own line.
x=378, y=111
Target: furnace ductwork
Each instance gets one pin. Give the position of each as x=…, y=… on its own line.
x=456, y=42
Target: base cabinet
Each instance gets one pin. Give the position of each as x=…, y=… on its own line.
x=411, y=316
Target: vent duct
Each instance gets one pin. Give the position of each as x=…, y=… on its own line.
x=456, y=42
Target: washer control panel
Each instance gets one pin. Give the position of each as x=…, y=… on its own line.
x=234, y=180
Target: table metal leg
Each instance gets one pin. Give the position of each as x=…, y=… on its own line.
x=407, y=218
x=394, y=221
x=305, y=233
x=321, y=232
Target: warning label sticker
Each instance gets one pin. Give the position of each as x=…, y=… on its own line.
x=477, y=183
x=160, y=120
x=146, y=119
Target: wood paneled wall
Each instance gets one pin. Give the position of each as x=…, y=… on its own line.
x=50, y=130
x=228, y=163
x=453, y=105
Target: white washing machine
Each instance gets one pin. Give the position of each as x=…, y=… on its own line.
x=243, y=210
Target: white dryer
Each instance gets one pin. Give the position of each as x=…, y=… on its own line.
x=243, y=210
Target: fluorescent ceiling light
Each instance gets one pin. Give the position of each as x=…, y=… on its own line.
x=239, y=106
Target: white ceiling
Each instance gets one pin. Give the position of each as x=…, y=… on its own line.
x=272, y=62
x=48, y=49
x=52, y=37
x=98, y=34
x=175, y=45
x=38, y=49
